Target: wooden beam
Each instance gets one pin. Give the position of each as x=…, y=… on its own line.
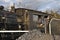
x=8, y=31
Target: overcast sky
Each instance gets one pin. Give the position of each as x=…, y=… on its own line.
x=40, y=5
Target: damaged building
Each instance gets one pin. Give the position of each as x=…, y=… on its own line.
x=23, y=19
x=32, y=19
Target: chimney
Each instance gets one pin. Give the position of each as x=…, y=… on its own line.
x=13, y=8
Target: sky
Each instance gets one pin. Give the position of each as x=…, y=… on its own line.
x=40, y=5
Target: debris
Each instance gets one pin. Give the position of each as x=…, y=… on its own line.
x=36, y=35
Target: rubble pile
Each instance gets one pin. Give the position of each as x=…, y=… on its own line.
x=37, y=35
